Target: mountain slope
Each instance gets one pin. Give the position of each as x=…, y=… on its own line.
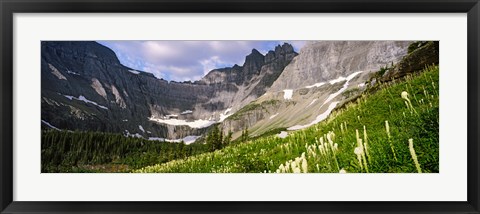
x=371, y=134
x=84, y=87
x=315, y=81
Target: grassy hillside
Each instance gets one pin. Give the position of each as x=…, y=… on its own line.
x=394, y=129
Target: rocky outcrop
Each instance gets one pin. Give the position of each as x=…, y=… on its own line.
x=417, y=60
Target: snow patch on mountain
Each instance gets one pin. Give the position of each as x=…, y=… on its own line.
x=84, y=99
x=127, y=134
x=345, y=86
x=74, y=73
x=319, y=118
x=186, y=112
x=273, y=116
x=288, y=93
x=50, y=125
x=225, y=115
x=187, y=140
x=176, y=122
x=134, y=71
x=315, y=85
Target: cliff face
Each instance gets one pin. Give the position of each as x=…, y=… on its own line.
x=320, y=61
x=84, y=87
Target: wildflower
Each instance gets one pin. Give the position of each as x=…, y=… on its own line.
x=358, y=151
x=296, y=170
x=342, y=171
x=365, y=141
x=408, y=103
x=293, y=165
x=387, y=127
x=414, y=155
x=405, y=95
x=304, y=165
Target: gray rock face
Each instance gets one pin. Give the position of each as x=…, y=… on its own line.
x=308, y=78
x=320, y=61
x=84, y=87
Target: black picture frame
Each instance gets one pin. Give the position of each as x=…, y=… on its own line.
x=9, y=7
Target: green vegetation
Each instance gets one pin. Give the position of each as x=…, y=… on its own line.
x=64, y=151
x=215, y=139
x=394, y=129
x=251, y=107
x=416, y=45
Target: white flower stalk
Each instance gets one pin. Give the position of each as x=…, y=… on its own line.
x=287, y=167
x=363, y=156
x=342, y=171
x=297, y=170
x=404, y=95
x=357, y=137
x=408, y=106
x=341, y=128
x=293, y=165
x=304, y=165
x=365, y=143
x=360, y=145
x=408, y=102
x=358, y=152
x=414, y=155
x=330, y=135
x=387, y=127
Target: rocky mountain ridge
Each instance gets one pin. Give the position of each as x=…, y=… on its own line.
x=85, y=87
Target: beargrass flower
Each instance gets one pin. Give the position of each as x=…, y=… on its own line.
x=358, y=151
x=297, y=170
x=304, y=165
x=414, y=155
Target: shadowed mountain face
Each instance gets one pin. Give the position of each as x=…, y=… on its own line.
x=84, y=87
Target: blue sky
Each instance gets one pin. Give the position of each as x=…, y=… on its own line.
x=187, y=60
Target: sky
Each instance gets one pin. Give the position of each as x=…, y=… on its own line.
x=187, y=60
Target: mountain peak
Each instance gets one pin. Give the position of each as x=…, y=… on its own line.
x=281, y=51
x=254, y=61
x=256, y=52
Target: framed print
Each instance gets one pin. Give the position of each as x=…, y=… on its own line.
x=261, y=107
